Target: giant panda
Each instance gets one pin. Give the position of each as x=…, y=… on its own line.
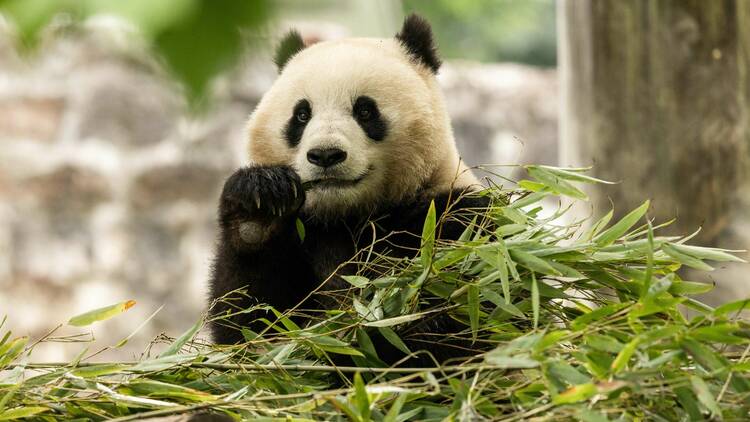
x=353, y=134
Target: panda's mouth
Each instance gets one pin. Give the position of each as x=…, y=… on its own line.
x=331, y=183
x=334, y=182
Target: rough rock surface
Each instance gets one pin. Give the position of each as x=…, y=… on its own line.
x=108, y=186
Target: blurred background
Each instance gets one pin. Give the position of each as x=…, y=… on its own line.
x=120, y=120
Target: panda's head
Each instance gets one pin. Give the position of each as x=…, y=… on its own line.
x=361, y=120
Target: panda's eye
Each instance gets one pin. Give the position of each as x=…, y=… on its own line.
x=365, y=109
x=295, y=126
x=364, y=113
x=302, y=116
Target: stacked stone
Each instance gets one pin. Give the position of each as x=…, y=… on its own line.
x=107, y=188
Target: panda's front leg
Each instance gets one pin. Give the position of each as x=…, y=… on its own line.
x=259, y=249
x=257, y=203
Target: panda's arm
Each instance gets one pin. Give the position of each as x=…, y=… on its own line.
x=259, y=248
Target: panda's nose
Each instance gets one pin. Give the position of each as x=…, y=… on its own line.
x=326, y=157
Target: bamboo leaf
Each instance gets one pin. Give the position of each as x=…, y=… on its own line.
x=99, y=370
x=699, y=252
x=574, y=176
x=511, y=362
x=688, y=402
x=361, y=400
x=533, y=263
x=389, y=322
x=394, y=339
x=300, y=230
x=705, y=396
x=607, y=237
x=162, y=363
x=395, y=410
x=719, y=333
x=732, y=307
x=576, y=394
x=555, y=183
x=604, y=343
x=596, y=315
x=188, y=335
x=356, y=280
x=100, y=314
x=624, y=356
x=598, y=226
x=682, y=258
x=428, y=236
x=588, y=415
x=535, y=300
x=690, y=288
x=22, y=412
x=11, y=350
x=333, y=345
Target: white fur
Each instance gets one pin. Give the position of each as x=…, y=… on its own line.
x=418, y=152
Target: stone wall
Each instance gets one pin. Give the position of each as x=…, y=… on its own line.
x=108, y=186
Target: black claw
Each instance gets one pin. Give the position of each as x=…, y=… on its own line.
x=264, y=191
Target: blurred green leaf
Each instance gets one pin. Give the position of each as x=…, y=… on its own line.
x=361, y=399
x=688, y=401
x=473, y=304
x=101, y=314
x=22, y=412
x=576, y=394
x=705, y=396
x=395, y=410
x=99, y=370
x=604, y=343
x=11, y=350
x=535, y=302
x=625, y=354
x=732, y=307
x=197, y=39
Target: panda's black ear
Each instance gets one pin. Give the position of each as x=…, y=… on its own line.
x=290, y=45
x=416, y=37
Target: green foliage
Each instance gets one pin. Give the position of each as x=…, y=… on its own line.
x=492, y=30
x=100, y=314
x=574, y=324
x=197, y=39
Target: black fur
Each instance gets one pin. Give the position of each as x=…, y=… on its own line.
x=416, y=37
x=290, y=45
x=365, y=111
x=239, y=263
x=283, y=270
x=295, y=126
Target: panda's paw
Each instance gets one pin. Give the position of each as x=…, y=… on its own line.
x=263, y=192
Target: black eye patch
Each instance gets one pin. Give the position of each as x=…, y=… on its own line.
x=295, y=126
x=365, y=112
